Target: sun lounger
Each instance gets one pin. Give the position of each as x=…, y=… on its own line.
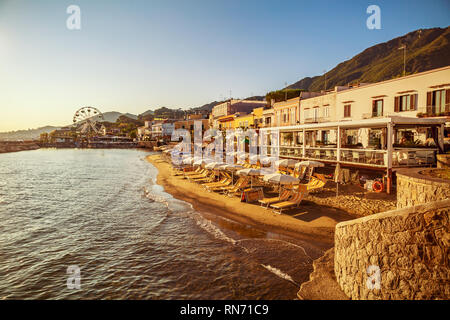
x=217, y=183
x=284, y=195
x=208, y=177
x=238, y=183
x=218, y=187
x=195, y=172
x=202, y=175
x=317, y=182
x=294, y=200
x=238, y=188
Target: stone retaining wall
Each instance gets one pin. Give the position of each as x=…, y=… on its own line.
x=414, y=188
x=407, y=249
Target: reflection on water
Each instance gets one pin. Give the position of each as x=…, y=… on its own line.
x=102, y=211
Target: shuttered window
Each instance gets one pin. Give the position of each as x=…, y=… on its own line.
x=438, y=102
x=405, y=103
x=377, y=108
x=347, y=111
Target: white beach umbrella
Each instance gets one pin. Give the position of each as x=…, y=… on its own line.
x=286, y=162
x=278, y=178
x=310, y=163
x=250, y=172
x=266, y=160
x=222, y=167
x=213, y=165
x=198, y=163
x=233, y=167
x=188, y=160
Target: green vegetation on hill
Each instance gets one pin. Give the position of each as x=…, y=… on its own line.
x=281, y=95
x=426, y=49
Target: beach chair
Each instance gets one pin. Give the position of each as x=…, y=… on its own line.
x=294, y=200
x=208, y=177
x=204, y=174
x=284, y=195
x=238, y=183
x=218, y=187
x=236, y=190
x=199, y=170
x=317, y=182
x=177, y=172
x=207, y=184
x=300, y=172
x=222, y=181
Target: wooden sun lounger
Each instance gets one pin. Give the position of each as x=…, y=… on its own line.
x=199, y=176
x=294, y=201
x=316, y=182
x=204, y=178
x=195, y=172
x=217, y=183
x=238, y=188
x=285, y=194
x=219, y=186
x=238, y=183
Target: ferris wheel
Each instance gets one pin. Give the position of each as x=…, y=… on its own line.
x=87, y=120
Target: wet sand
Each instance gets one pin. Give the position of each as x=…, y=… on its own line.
x=310, y=222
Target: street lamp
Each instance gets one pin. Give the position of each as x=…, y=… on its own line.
x=404, y=58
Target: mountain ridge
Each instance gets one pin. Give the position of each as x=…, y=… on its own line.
x=426, y=49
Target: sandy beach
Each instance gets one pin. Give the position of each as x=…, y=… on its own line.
x=310, y=222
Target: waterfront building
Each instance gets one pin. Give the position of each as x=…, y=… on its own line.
x=267, y=118
x=380, y=127
x=424, y=94
x=233, y=106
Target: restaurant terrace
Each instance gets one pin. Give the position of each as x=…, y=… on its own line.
x=382, y=144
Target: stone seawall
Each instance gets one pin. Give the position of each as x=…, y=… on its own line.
x=414, y=188
x=15, y=146
x=406, y=249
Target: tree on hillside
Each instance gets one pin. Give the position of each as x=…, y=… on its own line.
x=281, y=95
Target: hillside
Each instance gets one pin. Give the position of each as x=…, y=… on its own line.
x=426, y=49
x=25, y=134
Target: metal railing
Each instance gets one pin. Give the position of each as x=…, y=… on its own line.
x=404, y=157
x=401, y=157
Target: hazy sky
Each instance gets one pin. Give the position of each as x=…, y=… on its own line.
x=130, y=56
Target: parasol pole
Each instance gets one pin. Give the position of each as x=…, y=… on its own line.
x=337, y=173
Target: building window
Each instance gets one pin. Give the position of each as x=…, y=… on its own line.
x=377, y=108
x=438, y=101
x=293, y=116
x=307, y=114
x=316, y=113
x=326, y=111
x=347, y=111
x=405, y=103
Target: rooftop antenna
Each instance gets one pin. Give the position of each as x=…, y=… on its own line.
x=285, y=91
